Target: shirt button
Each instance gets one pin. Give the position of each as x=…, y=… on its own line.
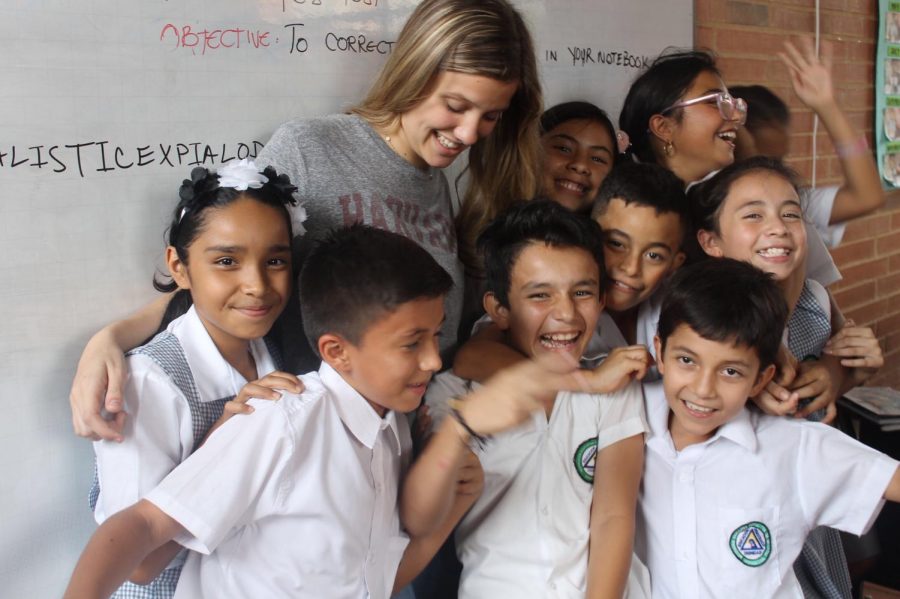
x=685, y=477
x=545, y=510
x=552, y=586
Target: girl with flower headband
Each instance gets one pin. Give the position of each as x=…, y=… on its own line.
x=456, y=68
x=229, y=258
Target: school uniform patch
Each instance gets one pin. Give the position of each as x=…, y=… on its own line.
x=751, y=543
x=585, y=459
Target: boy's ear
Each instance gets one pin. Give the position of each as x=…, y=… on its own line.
x=710, y=243
x=657, y=345
x=497, y=311
x=333, y=349
x=762, y=380
x=177, y=268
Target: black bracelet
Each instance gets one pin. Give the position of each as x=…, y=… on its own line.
x=480, y=441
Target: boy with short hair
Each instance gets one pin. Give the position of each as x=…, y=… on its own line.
x=299, y=498
x=645, y=218
x=556, y=515
x=729, y=494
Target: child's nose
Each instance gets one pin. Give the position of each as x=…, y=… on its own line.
x=705, y=384
x=255, y=281
x=430, y=358
x=579, y=164
x=467, y=129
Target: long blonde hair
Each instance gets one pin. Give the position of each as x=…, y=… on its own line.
x=477, y=37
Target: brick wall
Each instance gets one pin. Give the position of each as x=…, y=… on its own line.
x=746, y=36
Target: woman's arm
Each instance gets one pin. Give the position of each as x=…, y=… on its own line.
x=617, y=477
x=101, y=372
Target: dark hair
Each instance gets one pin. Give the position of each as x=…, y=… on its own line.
x=555, y=116
x=645, y=184
x=198, y=193
x=726, y=300
x=355, y=275
x=660, y=86
x=764, y=108
x=707, y=198
x=202, y=191
x=541, y=221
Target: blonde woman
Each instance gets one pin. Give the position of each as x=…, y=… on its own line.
x=457, y=67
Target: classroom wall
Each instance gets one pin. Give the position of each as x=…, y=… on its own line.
x=745, y=35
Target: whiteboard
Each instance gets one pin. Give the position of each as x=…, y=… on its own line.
x=105, y=105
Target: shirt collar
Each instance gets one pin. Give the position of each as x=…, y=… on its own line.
x=214, y=377
x=739, y=429
x=356, y=412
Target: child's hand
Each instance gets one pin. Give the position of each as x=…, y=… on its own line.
x=816, y=381
x=470, y=479
x=509, y=397
x=777, y=399
x=621, y=366
x=268, y=387
x=810, y=75
x=857, y=348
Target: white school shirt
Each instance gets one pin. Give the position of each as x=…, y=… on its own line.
x=527, y=534
x=158, y=434
x=728, y=517
x=298, y=499
x=817, y=204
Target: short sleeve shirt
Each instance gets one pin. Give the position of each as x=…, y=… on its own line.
x=728, y=517
x=527, y=535
x=297, y=499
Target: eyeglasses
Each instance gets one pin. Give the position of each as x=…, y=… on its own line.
x=730, y=108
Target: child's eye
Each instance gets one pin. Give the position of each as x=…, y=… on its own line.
x=584, y=293
x=539, y=296
x=753, y=216
x=792, y=215
x=655, y=257
x=458, y=109
x=225, y=261
x=277, y=262
x=732, y=372
x=684, y=360
x=599, y=160
x=492, y=117
x=563, y=149
x=613, y=244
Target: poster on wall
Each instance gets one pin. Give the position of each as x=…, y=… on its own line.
x=887, y=93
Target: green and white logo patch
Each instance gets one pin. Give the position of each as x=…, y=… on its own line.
x=585, y=459
x=751, y=543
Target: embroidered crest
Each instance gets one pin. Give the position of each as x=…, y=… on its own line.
x=751, y=544
x=585, y=459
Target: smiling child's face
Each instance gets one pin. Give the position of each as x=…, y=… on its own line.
x=706, y=383
x=640, y=247
x=760, y=222
x=554, y=301
x=577, y=156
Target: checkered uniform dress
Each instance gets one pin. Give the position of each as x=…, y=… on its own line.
x=166, y=351
x=822, y=565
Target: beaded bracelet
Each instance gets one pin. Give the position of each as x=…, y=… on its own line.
x=480, y=441
x=857, y=147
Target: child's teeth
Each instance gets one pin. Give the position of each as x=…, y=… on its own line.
x=771, y=252
x=571, y=186
x=697, y=408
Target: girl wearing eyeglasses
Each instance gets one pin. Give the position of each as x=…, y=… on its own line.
x=679, y=114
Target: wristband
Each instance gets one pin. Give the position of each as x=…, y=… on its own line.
x=480, y=441
x=857, y=147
